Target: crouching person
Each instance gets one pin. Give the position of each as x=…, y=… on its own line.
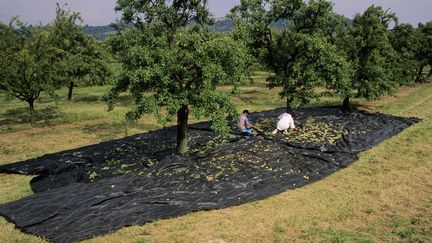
x=285, y=123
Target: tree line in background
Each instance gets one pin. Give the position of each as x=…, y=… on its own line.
x=363, y=57
x=43, y=58
x=172, y=61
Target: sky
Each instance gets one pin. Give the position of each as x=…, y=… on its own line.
x=101, y=12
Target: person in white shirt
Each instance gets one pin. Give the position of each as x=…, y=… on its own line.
x=285, y=122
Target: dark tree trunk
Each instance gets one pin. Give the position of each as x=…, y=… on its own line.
x=32, y=112
x=71, y=86
x=346, y=104
x=289, y=108
x=419, y=74
x=182, y=122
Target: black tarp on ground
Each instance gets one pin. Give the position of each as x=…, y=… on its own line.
x=100, y=188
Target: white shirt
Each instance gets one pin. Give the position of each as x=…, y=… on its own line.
x=243, y=123
x=285, y=122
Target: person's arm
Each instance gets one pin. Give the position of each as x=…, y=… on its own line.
x=248, y=124
x=254, y=127
x=292, y=125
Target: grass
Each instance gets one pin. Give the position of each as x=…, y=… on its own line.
x=383, y=197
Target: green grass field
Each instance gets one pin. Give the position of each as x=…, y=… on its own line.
x=384, y=197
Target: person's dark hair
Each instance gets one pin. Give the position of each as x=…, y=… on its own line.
x=245, y=111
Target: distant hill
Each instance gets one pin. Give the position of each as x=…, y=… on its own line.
x=220, y=25
x=99, y=32
x=226, y=25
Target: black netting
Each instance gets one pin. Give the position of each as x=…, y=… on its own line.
x=100, y=188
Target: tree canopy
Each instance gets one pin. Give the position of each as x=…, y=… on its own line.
x=406, y=42
x=301, y=55
x=424, y=55
x=373, y=58
x=83, y=59
x=28, y=64
x=170, y=69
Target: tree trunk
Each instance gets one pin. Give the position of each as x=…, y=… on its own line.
x=289, y=108
x=419, y=74
x=182, y=122
x=71, y=86
x=430, y=71
x=32, y=113
x=346, y=104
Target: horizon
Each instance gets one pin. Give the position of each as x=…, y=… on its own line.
x=101, y=12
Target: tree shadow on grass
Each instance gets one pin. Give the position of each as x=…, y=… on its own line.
x=124, y=101
x=249, y=95
x=22, y=116
x=111, y=131
x=251, y=92
x=87, y=98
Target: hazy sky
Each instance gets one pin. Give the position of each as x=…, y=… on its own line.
x=101, y=12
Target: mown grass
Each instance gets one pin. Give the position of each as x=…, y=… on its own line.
x=383, y=197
